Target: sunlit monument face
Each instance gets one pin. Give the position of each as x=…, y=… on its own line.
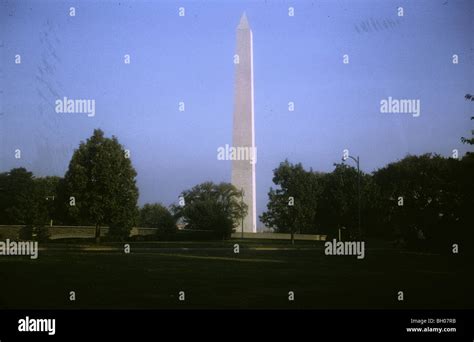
x=243, y=166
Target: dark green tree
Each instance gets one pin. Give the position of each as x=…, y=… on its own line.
x=313, y=202
x=469, y=141
x=101, y=182
x=214, y=207
x=293, y=204
x=20, y=199
x=339, y=200
x=48, y=191
x=422, y=197
x=23, y=201
x=157, y=216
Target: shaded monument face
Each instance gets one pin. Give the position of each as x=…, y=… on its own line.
x=243, y=167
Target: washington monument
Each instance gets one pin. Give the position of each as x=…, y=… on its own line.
x=243, y=169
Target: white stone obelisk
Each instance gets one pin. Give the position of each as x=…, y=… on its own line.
x=243, y=169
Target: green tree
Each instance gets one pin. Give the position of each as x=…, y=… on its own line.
x=313, y=202
x=469, y=141
x=101, y=180
x=157, y=216
x=48, y=191
x=23, y=201
x=422, y=197
x=215, y=207
x=293, y=204
x=20, y=199
x=339, y=199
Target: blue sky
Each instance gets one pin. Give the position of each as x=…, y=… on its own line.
x=173, y=59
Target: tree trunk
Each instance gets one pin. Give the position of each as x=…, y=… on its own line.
x=293, y=229
x=97, y=233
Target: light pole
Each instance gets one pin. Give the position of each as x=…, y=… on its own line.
x=358, y=187
x=340, y=237
x=241, y=208
x=51, y=219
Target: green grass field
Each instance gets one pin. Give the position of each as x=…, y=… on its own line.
x=212, y=276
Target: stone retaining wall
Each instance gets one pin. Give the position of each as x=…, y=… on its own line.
x=63, y=232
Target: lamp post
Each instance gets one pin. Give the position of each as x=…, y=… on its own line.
x=241, y=208
x=341, y=228
x=51, y=219
x=358, y=188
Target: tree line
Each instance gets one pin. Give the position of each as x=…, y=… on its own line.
x=419, y=201
x=99, y=189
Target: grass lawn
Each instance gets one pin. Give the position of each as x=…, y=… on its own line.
x=212, y=276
